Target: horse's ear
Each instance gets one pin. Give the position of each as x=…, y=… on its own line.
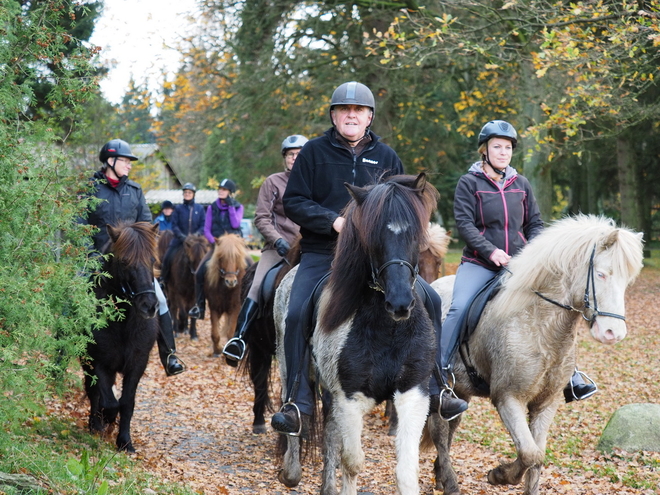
x=114, y=232
x=155, y=229
x=611, y=239
x=420, y=181
x=358, y=193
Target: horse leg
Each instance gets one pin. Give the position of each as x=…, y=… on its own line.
x=514, y=417
x=412, y=407
x=539, y=422
x=331, y=452
x=349, y=414
x=260, y=364
x=215, y=334
x=193, y=329
x=291, y=471
x=94, y=395
x=441, y=433
x=127, y=404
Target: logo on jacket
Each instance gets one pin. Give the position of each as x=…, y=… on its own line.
x=373, y=162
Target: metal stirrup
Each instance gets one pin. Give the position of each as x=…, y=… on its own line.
x=240, y=342
x=183, y=363
x=587, y=379
x=300, y=425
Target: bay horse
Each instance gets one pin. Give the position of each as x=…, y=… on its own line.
x=181, y=286
x=523, y=350
x=123, y=346
x=373, y=338
x=164, y=239
x=222, y=285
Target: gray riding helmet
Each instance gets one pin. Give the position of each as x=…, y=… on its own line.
x=293, y=142
x=353, y=93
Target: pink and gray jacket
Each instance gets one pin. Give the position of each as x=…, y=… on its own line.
x=491, y=215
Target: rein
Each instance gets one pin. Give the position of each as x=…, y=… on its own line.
x=375, y=274
x=591, y=287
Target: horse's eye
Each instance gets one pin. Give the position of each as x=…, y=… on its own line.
x=601, y=275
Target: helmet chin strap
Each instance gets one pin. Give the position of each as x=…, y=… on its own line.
x=112, y=167
x=497, y=170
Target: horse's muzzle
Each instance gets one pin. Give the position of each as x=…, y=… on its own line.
x=231, y=282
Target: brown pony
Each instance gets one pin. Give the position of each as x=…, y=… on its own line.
x=181, y=286
x=433, y=252
x=164, y=239
x=222, y=285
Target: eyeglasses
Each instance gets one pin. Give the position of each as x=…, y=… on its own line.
x=291, y=154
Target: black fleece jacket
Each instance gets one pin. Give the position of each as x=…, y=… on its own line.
x=315, y=194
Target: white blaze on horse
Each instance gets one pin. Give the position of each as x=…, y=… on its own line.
x=373, y=339
x=523, y=351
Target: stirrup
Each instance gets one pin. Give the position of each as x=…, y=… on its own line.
x=240, y=343
x=452, y=394
x=587, y=380
x=183, y=363
x=300, y=423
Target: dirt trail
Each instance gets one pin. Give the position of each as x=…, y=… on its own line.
x=195, y=428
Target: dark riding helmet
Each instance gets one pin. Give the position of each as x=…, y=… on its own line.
x=228, y=184
x=166, y=204
x=500, y=129
x=293, y=142
x=116, y=147
x=189, y=186
x=353, y=93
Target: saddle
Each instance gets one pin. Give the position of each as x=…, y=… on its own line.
x=468, y=323
x=267, y=289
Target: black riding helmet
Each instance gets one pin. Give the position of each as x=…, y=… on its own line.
x=116, y=147
x=500, y=129
x=228, y=184
x=189, y=186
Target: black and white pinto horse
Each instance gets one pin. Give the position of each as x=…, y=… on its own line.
x=522, y=352
x=373, y=339
x=123, y=346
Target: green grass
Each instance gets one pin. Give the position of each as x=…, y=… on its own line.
x=67, y=460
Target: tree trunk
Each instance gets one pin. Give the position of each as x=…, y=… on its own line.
x=630, y=210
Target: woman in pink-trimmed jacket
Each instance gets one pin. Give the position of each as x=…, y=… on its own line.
x=496, y=215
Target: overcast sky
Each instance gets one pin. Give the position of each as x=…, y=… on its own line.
x=138, y=38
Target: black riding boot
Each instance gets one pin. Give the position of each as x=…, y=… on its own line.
x=167, y=347
x=443, y=398
x=578, y=389
x=235, y=349
x=198, y=310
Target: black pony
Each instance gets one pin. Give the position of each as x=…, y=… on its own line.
x=373, y=339
x=123, y=346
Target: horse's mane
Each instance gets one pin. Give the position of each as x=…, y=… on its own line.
x=135, y=243
x=196, y=246
x=399, y=200
x=229, y=250
x=437, y=241
x=565, y=248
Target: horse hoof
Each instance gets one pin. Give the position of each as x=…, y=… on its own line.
x=285, y=481
x=217, y=354
x=194, y=339
x=495, y=477
x=259, y=429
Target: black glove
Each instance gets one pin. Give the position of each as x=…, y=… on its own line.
x=229, y=201
x=181, y=236
x=282, y=247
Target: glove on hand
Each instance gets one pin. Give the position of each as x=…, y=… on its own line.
x=229, y=201
x=282, y=247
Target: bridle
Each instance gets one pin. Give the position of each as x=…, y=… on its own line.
x=590, y=288
x=375, y=274
x=225, y=274
x=130, y=294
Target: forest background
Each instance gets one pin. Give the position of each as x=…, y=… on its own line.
x=577, y=79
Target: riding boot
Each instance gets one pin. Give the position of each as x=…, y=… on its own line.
x=235, y=349
x=199, y=309
x=578, y=389
x=443, y=398
x=167, y=347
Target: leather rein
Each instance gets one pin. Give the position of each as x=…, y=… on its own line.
x=375, y=274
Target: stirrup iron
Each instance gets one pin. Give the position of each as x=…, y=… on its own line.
x=178, y=358
x=240, y=343
x=587, y=379
x=300, y=423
